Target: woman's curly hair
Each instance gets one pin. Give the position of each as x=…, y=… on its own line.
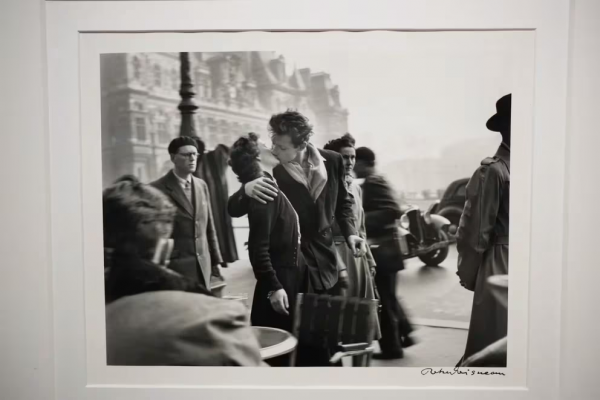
x=243, y=158
x=338, y=144
x=129, y=205
x=291, y=123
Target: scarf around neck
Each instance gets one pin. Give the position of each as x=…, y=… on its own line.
x=317, y=174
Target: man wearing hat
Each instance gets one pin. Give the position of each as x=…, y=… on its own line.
x=196, y=247
x=482, y=237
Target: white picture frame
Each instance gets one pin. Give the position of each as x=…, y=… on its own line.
x=540, y=157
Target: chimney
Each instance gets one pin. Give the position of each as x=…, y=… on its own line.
x=305, y=74
x=278, y=68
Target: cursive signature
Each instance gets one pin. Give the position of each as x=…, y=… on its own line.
x=458, y=371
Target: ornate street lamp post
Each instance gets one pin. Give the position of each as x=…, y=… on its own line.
x=188, y=105
x=188, y=108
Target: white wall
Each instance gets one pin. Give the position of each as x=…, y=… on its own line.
x=581, y=306
x=25, y=309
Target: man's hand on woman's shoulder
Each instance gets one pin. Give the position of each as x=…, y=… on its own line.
x=261, y=189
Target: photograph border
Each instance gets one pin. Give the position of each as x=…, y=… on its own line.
x=67, y=25
x=93, y=46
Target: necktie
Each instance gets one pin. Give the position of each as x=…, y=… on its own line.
x=188, y=191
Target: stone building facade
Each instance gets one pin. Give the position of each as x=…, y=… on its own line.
x=236, y=93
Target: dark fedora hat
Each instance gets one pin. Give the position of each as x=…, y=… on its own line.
x=501, y=120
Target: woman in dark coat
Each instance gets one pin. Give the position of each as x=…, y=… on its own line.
x=274, y=240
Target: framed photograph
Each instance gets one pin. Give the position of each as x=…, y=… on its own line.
x=419, y=86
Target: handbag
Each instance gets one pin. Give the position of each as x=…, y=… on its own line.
x=387, y=252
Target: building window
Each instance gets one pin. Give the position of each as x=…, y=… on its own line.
x=239, y=130
x=163, y=132
x=207, y=89
x=200, y=126
x=140, y=128
x=175, y=79
x=137, y=68
x=224, y=129
x=140, y=174
x=157, y=76
x=212, y=131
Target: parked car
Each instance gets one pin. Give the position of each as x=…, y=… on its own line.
x=424, y=235
x=452, y=203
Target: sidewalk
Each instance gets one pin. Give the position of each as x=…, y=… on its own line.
x=435, y=347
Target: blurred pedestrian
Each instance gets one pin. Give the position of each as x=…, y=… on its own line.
x=482, y=237
x=196, y=248
x=381, y=215
x=175, y=328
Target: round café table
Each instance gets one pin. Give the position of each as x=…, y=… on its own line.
x=274, y=342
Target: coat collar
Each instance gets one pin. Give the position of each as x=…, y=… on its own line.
x=503, y=153
x=287, y=179
x=270, y=176
x=313, y=156
x=316, y=180
x=181, y=180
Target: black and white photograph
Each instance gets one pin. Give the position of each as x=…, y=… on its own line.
x=335, y=200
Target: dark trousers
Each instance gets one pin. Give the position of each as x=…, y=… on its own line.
x=394, y=322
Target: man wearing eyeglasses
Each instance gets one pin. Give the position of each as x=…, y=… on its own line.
x=196, y=247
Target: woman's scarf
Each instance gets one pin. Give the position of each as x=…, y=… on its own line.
x=348, y=179
x=317, y=175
